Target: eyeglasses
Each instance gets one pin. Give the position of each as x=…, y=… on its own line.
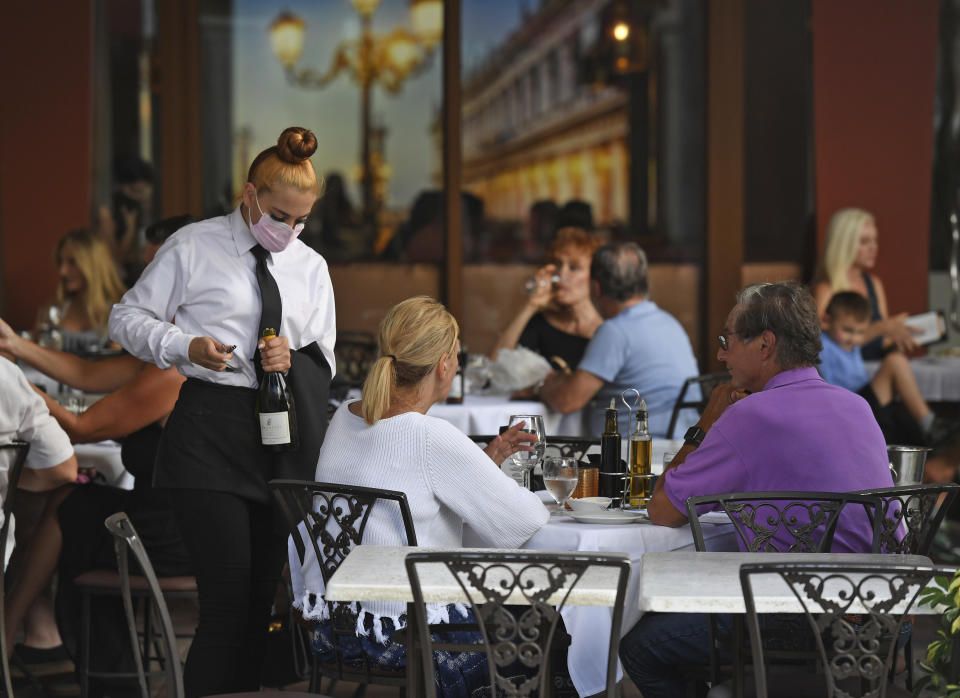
x=724, y=340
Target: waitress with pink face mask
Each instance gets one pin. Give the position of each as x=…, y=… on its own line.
x=202, y=305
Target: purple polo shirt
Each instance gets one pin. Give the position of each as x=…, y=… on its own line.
x=798, y=433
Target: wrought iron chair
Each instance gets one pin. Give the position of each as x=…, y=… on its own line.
x=556, y=446
x=565, y=446
x=707, y=382
x=912, y=514
x=20, y=450
x=126, y=541
x=334, y=517
x=517, y=600
x=855, y=614
x=808, y=518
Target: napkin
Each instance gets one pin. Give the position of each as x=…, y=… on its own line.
x=516, y=369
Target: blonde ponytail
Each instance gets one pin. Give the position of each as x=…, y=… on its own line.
x=414, y=335
x=378, y=389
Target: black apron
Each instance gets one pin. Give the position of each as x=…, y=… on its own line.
x=212, y=439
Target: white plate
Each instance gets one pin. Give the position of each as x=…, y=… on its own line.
x=608, y=517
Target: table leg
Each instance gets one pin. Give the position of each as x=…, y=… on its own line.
x=738, y=655
x=414, y=660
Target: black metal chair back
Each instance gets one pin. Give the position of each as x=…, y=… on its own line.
x=355, y=353
x=854, y=612
x=556, y=446
x=707, y=382
x=126, y=539
x=333, y=517
x=516, y=599
x=20, y=450
x=808, y=518
x=912, y=515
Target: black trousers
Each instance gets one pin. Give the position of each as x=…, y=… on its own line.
x=237, y=548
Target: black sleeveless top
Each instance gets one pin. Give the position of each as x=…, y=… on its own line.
x=545, y=339
x=872, y=350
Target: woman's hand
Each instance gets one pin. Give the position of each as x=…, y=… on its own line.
x=274, y=354
x=896, y=331
x=209, y=353
x=509, y=442
x=543, y=291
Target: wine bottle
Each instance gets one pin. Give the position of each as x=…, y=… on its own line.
x=457, y=391
x=640, y=451
x=275, y=409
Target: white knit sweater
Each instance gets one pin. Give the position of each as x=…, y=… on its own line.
x=447, y=478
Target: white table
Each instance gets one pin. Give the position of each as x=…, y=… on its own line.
x=378, y=573
x=938, y=377
x=675, y=582
x=485, y=414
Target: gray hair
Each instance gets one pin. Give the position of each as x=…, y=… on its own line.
x=620, y=268
x=788, y=310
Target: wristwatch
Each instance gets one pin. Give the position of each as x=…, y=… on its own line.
x=694, y=436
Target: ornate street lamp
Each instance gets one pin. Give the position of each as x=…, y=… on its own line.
x=388, y=60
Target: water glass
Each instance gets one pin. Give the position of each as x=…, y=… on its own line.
x=526, y=461
x=560, y=479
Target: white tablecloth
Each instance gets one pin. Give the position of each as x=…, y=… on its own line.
x=938, y=377
x=485, y=414
x=104, y=457
x=589, y=628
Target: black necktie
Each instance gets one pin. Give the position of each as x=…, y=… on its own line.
x=271, y=310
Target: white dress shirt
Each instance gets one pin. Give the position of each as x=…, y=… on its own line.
x=204, y=279
x=24, y=415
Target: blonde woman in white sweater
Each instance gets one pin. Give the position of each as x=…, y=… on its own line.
x=386, y=440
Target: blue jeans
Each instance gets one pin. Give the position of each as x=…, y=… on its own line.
x=656, y=650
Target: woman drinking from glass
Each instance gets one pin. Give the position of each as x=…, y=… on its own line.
x=558, y=319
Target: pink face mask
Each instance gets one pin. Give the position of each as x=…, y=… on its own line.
x=273, y=236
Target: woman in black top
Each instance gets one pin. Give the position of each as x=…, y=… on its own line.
x=558, y=319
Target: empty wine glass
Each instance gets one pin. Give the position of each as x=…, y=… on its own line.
x=526, y=461
x=560, y=479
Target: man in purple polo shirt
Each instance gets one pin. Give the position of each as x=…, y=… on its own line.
x=776, y=426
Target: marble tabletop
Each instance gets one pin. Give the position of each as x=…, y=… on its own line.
x=378, y=573
x=693, y=582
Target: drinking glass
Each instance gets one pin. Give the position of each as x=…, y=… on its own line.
x=560, y=479
x=526, y=461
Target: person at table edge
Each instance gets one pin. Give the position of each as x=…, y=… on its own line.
x=637, y=346
x=776, y=426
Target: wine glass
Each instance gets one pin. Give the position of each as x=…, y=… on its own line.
x=526, y=461
x=560, y=479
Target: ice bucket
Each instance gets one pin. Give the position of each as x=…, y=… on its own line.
x=906, y=464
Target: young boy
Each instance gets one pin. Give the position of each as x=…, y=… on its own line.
x=844, y=325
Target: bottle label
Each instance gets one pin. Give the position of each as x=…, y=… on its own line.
x=274, y=428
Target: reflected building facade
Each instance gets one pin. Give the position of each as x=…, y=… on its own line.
x=533, y=130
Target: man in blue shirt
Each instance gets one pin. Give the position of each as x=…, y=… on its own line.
x=638, y=346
